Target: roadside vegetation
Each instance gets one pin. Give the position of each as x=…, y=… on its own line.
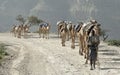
x=114, y=42
x=104, y=35
x=2, y=51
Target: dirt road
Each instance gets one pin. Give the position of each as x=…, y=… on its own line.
x=38, y=56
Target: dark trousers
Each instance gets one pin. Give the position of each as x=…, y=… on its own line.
x=93, y=56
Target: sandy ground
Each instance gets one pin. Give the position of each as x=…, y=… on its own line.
x=38, y=56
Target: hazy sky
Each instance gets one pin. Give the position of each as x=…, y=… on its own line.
x=106, y=12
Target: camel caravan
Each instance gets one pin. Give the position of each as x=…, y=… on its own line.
x=81, y=31
x=23, y=30
x=87, y=34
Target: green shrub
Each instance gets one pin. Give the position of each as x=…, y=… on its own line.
x=114, y=42
x=2, y=50
x=0, y=57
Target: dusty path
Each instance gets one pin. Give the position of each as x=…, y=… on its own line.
x=39, y=56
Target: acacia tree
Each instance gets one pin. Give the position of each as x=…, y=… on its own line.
x=20, y=19
x=34, y=20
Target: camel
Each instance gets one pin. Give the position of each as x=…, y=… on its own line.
x=25, y=30
x=59, y=25
x=66, y=30
x=62, y=32
x=68, y=26
x=14, y=30
x=72, y=36
x=19, y=31
x=44, y=29
x=83, y=35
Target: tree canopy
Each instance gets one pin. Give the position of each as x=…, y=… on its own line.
x=31, y=19
x=34, y=20
x=20, y=19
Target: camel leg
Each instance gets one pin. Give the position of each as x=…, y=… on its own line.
x=73, y=43
x=87, y=56
x=63, y=37
x=19, y=34
x=48, y=34
x=58, y=34
x=67, y=35
x=81, y=45
x=73, y=40
x=43, y=32
x=15, y=34
x=39, y=34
